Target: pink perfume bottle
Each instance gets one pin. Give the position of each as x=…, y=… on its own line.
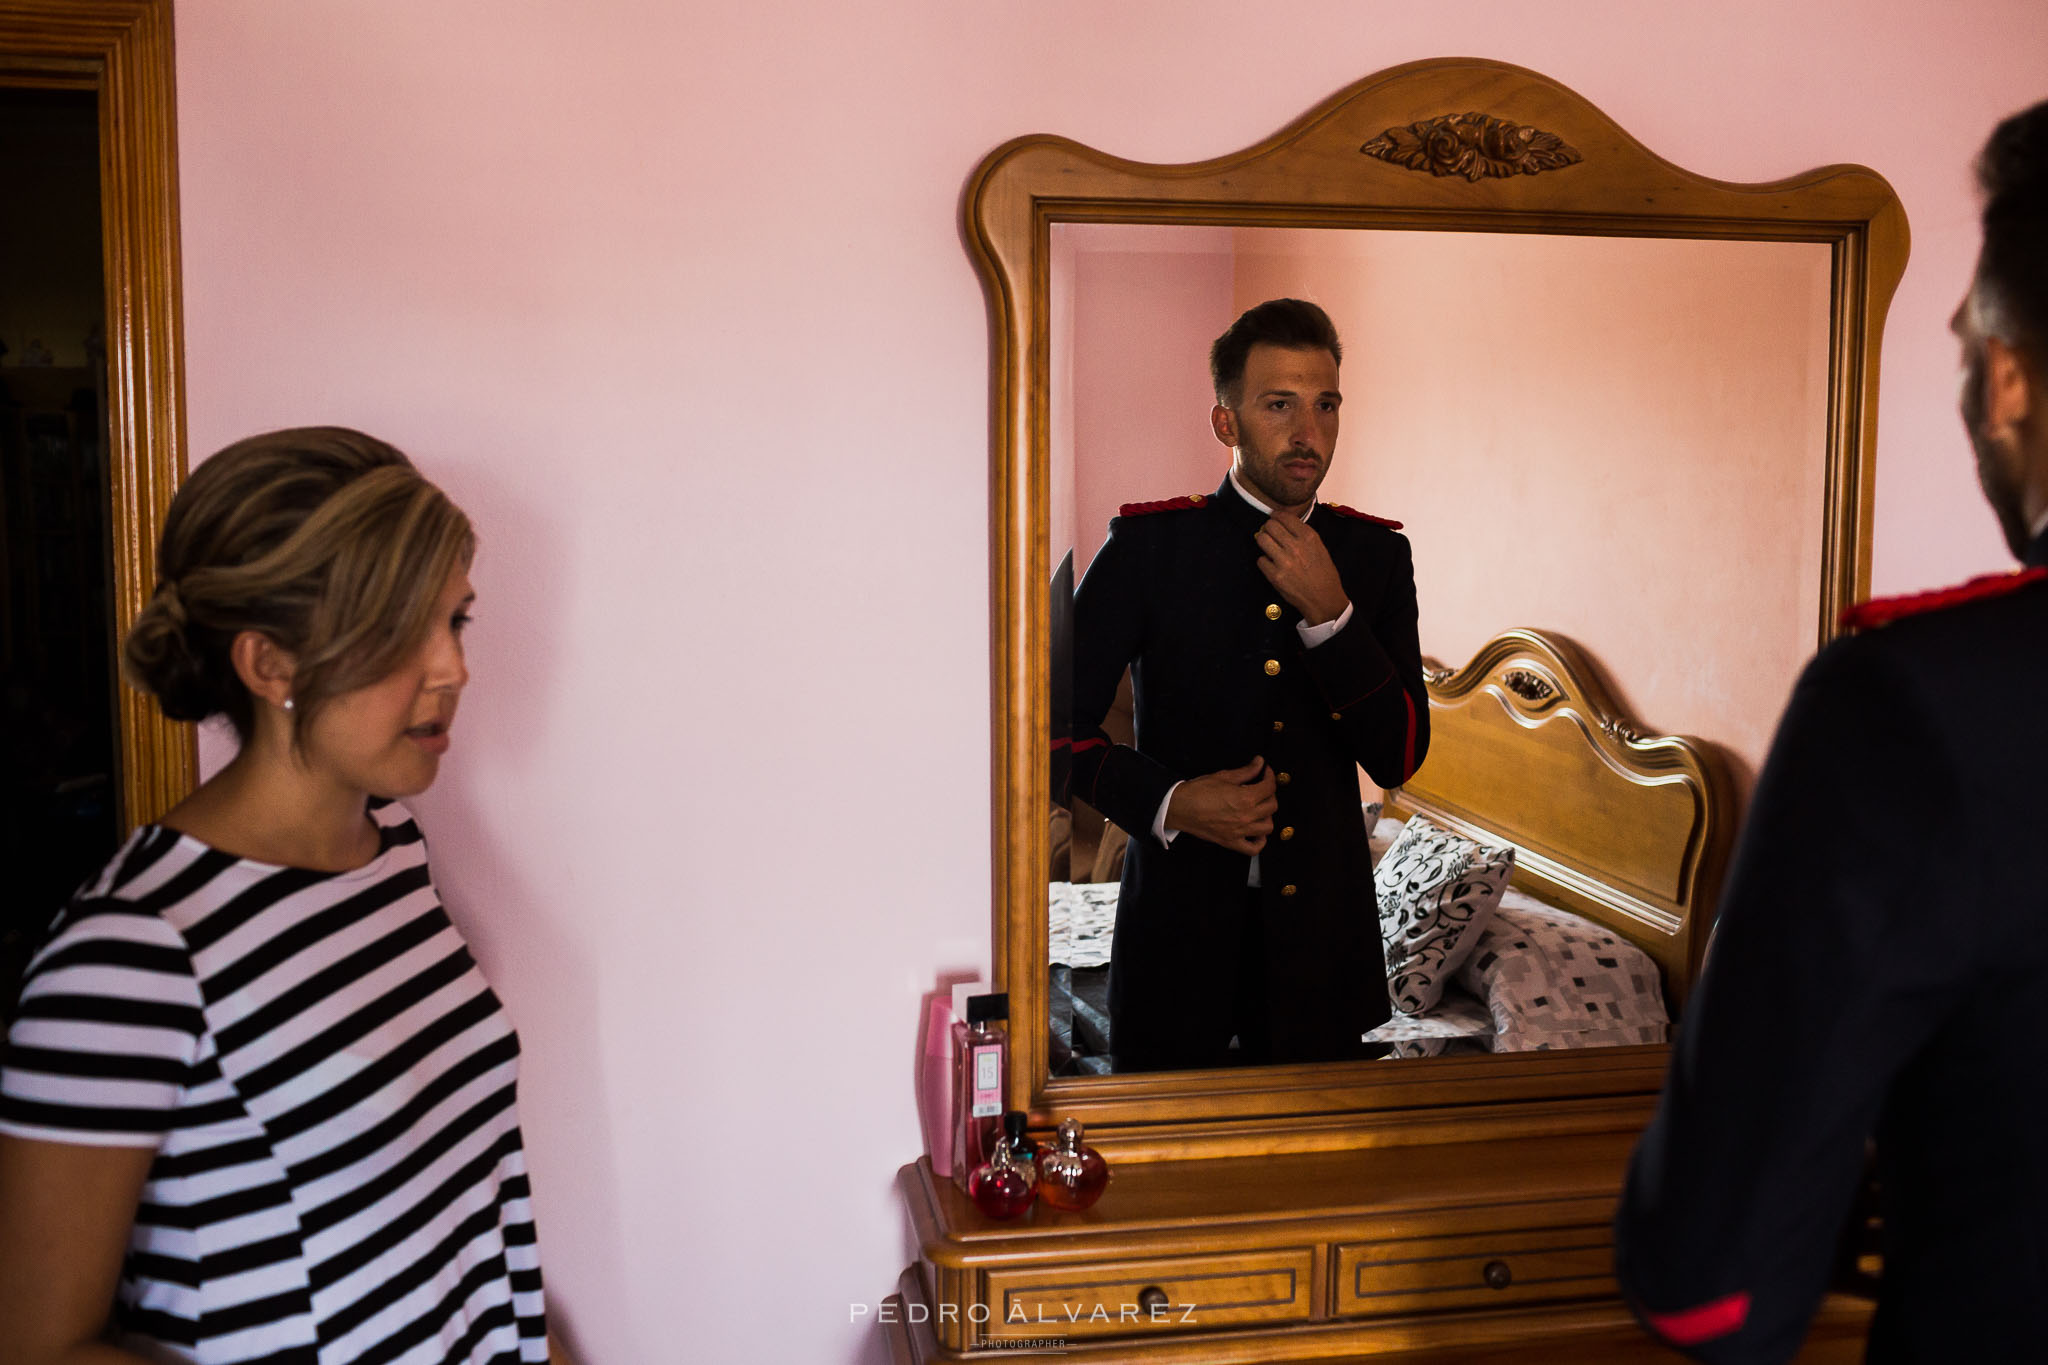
x=1071, y=1176
x=936, y=1075
x=999, y=1187
x=984, y=1049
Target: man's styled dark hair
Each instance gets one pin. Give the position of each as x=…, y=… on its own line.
x=1293, y=324
x=2012, y=171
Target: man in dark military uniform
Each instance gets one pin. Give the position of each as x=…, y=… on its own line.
x=1272, y=648
x=1880, y=968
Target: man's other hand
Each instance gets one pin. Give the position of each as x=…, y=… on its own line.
x=1297, y=564
x=1233, y=808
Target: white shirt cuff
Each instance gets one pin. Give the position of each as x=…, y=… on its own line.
x=1159, y=829
x=1311, y=636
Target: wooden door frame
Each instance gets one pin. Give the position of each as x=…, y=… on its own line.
x=121, y=49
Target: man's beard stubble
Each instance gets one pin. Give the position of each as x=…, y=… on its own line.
x=1995, y=471
x=1253, y=472
x=1273, y=497
x=2003, y=497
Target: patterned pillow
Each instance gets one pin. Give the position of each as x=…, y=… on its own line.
x=1381, y=829
x=1436, y=891
x=1554, y=980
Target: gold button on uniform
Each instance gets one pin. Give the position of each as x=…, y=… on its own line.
x=1336, y=715
x=1287, y=890
x=1278, y=726
x=1281, y=778
x=1272, y=611
x=1272, y=667
x=1286, y=833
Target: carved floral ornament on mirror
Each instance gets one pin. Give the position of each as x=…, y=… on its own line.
x=1517, y=283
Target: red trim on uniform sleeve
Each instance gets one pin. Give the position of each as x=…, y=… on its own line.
x=1882, y=611
x=1083, y=745
x=1141, y=509
x=1342, y=510
x=1693, y=1326
x=1408, y=746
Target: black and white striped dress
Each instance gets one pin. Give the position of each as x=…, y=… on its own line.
x=329, y=1087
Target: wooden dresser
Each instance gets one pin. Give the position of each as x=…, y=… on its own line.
x=1461, y=1252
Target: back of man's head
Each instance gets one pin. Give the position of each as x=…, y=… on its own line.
x=2012, y=272
x=1293, y=324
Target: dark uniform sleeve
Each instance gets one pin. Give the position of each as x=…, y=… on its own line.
x=1821, y=983
x=1109, y=627
x=1370, y=673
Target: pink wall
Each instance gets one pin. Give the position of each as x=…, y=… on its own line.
x=1622, y=440
x=1130, y=393
x=673, y=299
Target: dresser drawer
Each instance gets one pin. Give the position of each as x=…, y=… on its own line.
x=1421, y=1274
x=1111, y=1298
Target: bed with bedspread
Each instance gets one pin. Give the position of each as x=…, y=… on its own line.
x=1545, y=881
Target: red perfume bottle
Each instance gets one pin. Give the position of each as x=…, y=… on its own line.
x=1071, y=1176
x=999, y=1187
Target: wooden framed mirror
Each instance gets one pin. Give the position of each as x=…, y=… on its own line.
x=1439, y=152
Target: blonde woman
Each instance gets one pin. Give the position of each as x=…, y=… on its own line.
x=258, y=1104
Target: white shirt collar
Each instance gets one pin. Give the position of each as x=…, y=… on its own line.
x=1246, y=495
x=2033, y=532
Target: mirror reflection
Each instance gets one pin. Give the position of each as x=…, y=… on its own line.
x=1617, y=440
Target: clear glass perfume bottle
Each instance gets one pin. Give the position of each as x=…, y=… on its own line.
x=1071, y=1176
x=999, y=1187
x=1023, y=1151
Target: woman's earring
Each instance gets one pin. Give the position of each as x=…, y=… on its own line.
x=287, y=703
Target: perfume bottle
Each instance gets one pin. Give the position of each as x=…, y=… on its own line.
x=1023, y=1151
x=936, y=1074
x=1071, y=1176
x=984, y=1049
x=999, y=1187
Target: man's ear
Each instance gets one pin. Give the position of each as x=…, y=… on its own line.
x=2008, y=386
x=265, y=667
x=1223, y=422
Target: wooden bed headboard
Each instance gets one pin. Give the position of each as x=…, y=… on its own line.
x=1528, y=748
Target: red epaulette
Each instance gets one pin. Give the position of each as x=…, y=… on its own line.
x=1139, y=509
x=1884, y=610
x=1341, y=510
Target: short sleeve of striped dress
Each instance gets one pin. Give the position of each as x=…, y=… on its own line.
x=330, y=1090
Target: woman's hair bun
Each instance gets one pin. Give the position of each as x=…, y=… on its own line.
x=161, y=657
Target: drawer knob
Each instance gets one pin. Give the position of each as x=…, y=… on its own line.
x=1152, y=1298
x=1498, y=1276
